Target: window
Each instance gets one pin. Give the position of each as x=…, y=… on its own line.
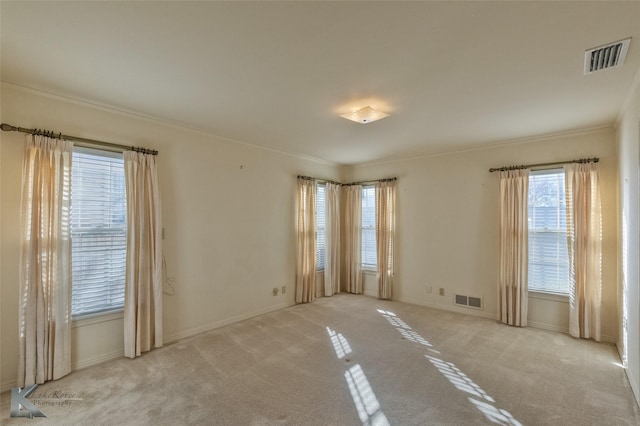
x=548, y=254
x=369, y=257
x=98, y=231
x=321, y=196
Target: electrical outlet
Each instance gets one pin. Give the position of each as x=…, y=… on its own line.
x=428, y=289
x=284, y=289
x=275, y=291
x=441, y=291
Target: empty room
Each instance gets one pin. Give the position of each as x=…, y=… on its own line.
x=320, y=213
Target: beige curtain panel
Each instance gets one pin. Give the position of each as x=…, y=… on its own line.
x=332, y=241
x=385, y=236
x=45, y=261
x=352, y=236
x=514, y=235
x=305, y=241
x=584, y=225
x=143, y=282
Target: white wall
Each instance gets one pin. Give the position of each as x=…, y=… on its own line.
x=228, y=211
x=229, y=234
x=447, y=224
x=628, y=137
x=1, y=247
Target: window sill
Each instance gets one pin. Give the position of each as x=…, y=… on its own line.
x=89, y=319
x=369, y=271
x=555, y=297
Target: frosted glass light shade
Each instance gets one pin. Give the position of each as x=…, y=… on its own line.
x=364, y=115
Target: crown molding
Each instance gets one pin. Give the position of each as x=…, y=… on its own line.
x=483, y=147
x=154, y=120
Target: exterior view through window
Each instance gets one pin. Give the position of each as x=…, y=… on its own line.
x=548, y=253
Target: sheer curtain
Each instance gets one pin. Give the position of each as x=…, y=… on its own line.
x=385, y=236
x=306, y=241
x=45, y=261
x=332, y=241
x=584, y=225
x=143, y=283
x=352, y=234
x=514, y=233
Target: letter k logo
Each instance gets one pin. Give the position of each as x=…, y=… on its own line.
x=21, y=406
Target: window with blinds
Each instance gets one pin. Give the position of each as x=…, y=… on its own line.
x=369, y=257
x=98, y=231
x=321, y=197
x=548, y=253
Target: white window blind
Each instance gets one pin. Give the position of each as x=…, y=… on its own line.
x=98, y=231
x=369, y=257
x=321, y=196
x=548, y=254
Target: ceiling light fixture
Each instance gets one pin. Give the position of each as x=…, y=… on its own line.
x=364, y=115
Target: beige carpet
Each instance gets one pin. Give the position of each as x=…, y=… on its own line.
x=351, y=360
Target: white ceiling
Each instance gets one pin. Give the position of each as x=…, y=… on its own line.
x=452, y=75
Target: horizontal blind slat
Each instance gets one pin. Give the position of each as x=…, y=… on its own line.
x=369, y=256
x=98, y=232
x=548, y=252
x=321, y=196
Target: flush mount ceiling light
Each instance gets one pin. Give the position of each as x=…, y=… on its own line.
x=364, y=115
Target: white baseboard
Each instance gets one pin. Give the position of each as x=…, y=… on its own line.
x=78, y=365
x=565, y=330
x=549, y=327
x=634, y=386
x=450, y=308
x=212, y=326
x=7, y=386
x=482, y=314
x=168, y=339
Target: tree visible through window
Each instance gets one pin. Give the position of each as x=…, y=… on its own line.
x=321, y=196
x=369, y=257
x=98, y=231
x=548, y=253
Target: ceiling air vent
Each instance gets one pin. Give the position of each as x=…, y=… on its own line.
x=603, y=57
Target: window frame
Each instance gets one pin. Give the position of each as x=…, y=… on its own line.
x=368, y=267
x=108, y=309
x=321, y=248
x=555, y=294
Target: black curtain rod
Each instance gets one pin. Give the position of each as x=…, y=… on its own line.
x=557, y=163
x=347, y=184
x=319, y=180
x=83, y=142
x=367, y=182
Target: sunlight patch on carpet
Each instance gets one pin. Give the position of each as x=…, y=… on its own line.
x=457, y=378
x=340, y=344
x=495, y=415
x=363, y=397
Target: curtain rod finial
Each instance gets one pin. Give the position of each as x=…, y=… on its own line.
x=7, y=127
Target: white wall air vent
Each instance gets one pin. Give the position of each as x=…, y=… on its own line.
x=608, y=56
x=468, y=301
